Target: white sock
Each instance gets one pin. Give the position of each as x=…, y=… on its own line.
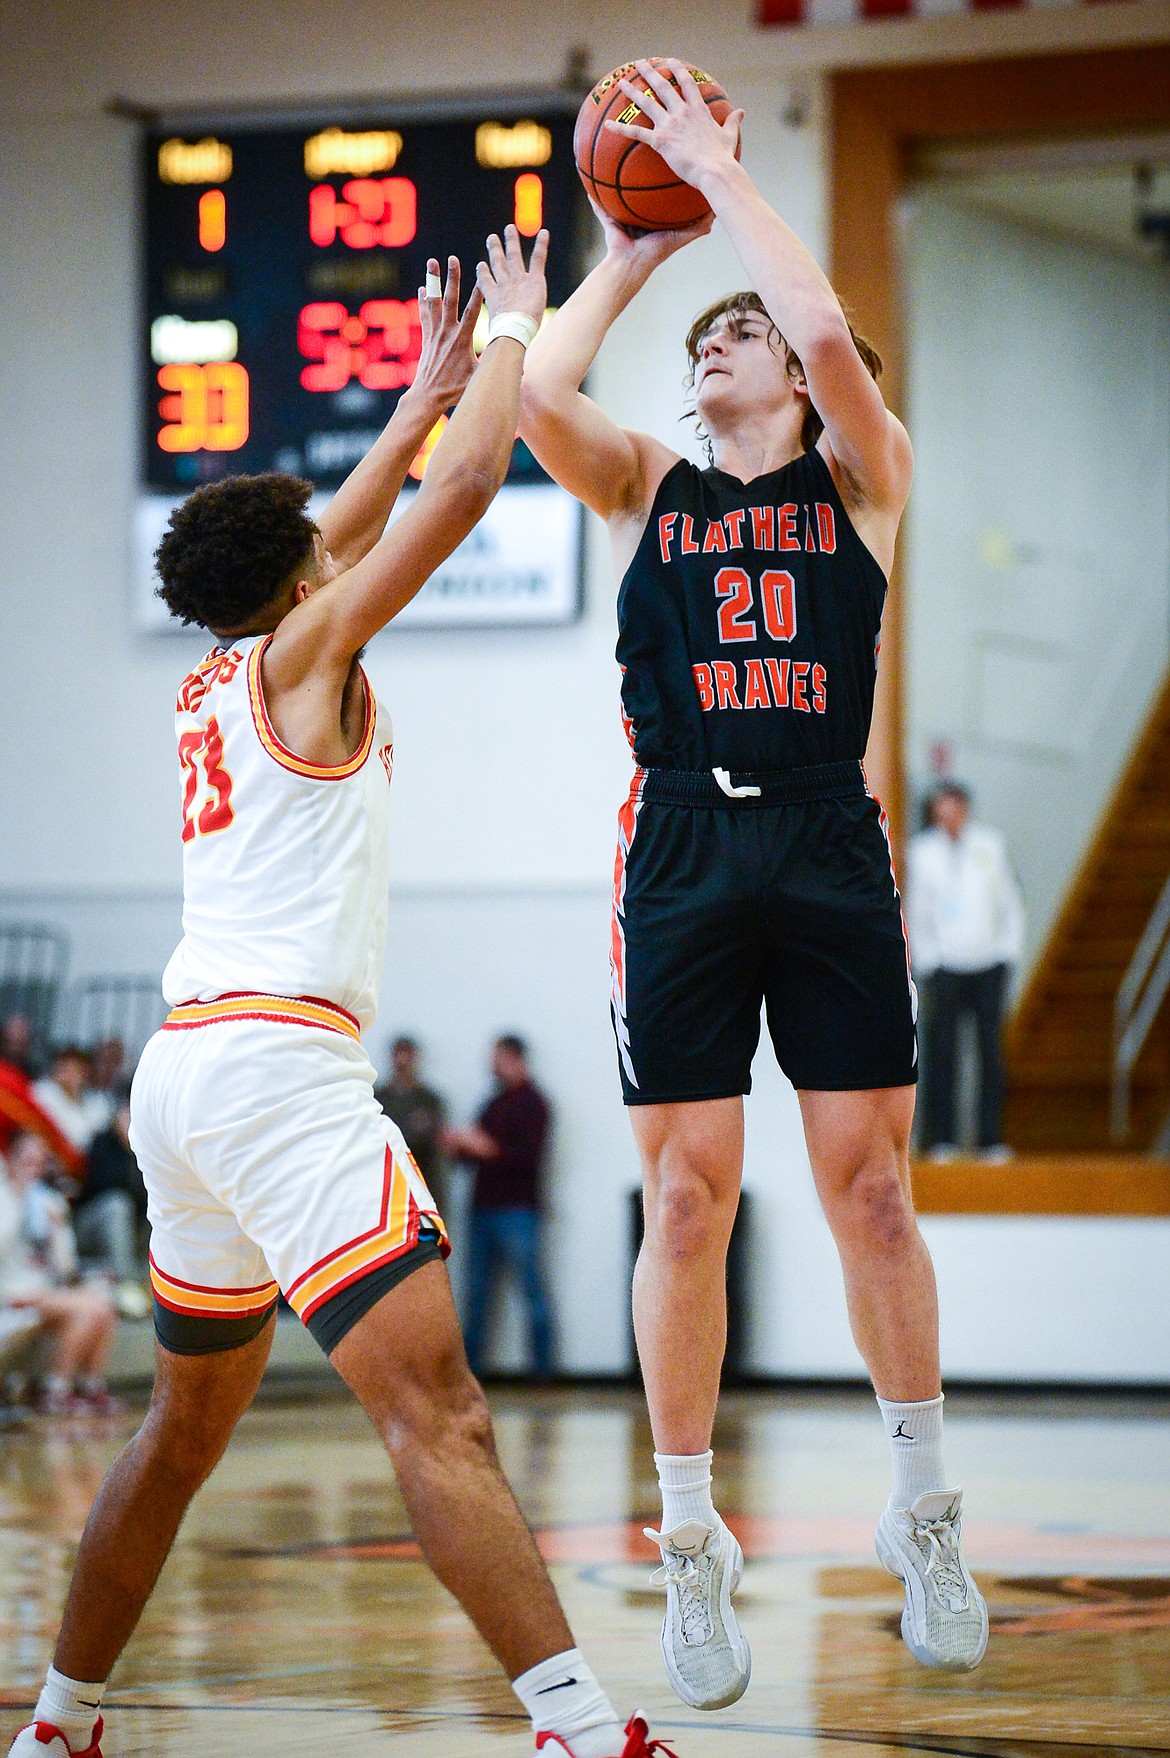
x=72, y=1706
x=685, y=1482
x=915, y=1435
x=563, y=1697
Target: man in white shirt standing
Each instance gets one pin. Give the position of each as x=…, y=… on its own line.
x=966, y=918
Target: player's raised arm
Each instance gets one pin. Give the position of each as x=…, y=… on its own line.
x=356, y=516
x=868, y=443
x=613, y=470
x=465, y=472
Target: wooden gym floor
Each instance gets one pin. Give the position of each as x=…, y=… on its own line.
x=294, y=1616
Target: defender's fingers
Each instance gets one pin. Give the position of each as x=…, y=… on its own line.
x=539, y=255
x=496, y=257
x=472, y=309
x=434, y=286
x=512, y=248
x=451, y=290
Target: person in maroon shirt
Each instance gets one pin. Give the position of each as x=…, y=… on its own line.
x=505, y=1146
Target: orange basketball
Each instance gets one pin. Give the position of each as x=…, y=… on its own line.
x=632, y=182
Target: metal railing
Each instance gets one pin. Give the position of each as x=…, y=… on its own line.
x=1139, y=998
x=113, y=1006
x=33, y=958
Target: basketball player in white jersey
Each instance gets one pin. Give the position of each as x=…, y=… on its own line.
x=269, y=1164
x=753, y=865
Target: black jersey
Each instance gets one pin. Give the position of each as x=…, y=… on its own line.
x=748, y=623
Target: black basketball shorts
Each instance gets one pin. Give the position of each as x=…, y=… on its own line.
x=725, y=906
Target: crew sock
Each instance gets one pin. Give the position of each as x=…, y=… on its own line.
x=70, y=1705
x=685, y=1482
x=563, y=1697
x=915, y=1436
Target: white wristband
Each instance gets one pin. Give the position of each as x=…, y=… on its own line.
x=516, y=324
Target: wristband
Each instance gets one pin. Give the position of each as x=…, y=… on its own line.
x=516, y=324
x=434, y=286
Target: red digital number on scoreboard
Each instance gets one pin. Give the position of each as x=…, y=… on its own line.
x=369, y=211
x=380, y=347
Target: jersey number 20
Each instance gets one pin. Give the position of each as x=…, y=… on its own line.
x=777, y=600
x=203, y=749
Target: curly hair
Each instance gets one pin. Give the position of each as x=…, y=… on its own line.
x=230, y=547
x=737, y=306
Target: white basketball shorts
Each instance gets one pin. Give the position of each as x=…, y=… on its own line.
x=269, y=1165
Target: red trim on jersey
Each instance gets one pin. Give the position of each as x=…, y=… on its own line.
x=280, y=752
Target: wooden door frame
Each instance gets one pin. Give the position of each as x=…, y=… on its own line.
x=879, y=118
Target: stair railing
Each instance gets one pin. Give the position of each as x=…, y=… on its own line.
x=1139, y=997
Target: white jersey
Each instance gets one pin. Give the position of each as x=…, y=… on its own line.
x=285, y=862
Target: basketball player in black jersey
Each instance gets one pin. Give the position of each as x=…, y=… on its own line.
x=753, y=866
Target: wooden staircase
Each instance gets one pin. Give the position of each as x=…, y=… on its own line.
x=1059, y=1040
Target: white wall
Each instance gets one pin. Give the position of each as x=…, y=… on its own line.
x=511, y=762
x=1039, y=528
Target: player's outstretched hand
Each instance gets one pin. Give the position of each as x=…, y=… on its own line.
x=447, y=360
x=682, y=128
x=645, y=250
x=505, y=283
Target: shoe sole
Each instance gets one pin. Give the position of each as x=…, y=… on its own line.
x=741, y=1653
x=891, y=1561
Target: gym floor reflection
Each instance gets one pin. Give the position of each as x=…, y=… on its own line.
x=295, y=1612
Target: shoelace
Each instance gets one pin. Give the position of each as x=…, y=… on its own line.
x=945, y=1568
x=692, y=1578
x=650, y=1748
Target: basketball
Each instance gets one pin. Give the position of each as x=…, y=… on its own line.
x=631, y=182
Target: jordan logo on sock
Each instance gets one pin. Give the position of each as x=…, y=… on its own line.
x=900, y=1434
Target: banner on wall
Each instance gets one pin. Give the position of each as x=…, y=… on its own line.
x=847, y=11
x=520, y=568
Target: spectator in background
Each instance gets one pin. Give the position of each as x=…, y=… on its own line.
x=38, y=1273
x=418, y=1111
x=17, y=1047
x=21, y=1110
x=505, y=1146
x=107, y=1062
x=966, y=921
x=65, y=1094
x=110, y=1211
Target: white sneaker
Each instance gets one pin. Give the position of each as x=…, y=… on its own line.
x=42, y=1740
x=708, y=1661
x=944, y=1624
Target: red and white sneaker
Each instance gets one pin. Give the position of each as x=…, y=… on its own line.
x=637, y=1745
x=42, y=1740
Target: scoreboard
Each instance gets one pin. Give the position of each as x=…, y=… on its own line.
x=280, y=323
